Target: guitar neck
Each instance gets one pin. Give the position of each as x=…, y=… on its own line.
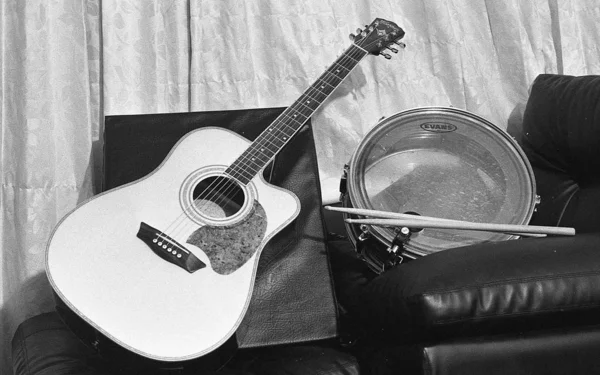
x=280, y=131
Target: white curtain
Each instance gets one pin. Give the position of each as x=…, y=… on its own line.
x=65, y=64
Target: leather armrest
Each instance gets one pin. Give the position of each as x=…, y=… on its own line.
x=44, y=345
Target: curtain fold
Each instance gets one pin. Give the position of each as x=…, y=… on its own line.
x=146, y=53
x=49, y=121
x=64, y=65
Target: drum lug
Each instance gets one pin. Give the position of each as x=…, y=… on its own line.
x=402, y=235
x=364, y=233
x=379, y=263
x=375, y=261
x=536, y=202
x=344, y=182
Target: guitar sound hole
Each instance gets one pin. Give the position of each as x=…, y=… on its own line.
x=218, y=197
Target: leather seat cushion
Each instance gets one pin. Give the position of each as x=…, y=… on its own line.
x=571, y=350
x=508, y=286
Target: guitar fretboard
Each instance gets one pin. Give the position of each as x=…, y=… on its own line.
x=280, y=131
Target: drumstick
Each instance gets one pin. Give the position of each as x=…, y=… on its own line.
x=395, y=215
x=384, y=214
x=466, y=225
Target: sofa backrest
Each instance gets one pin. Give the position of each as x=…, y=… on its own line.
x=561, y=137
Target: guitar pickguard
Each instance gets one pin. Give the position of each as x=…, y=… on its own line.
x=230, y=247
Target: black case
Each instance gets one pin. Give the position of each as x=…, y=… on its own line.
x=293, y=298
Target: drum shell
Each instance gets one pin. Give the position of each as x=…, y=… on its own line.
x=487, y=167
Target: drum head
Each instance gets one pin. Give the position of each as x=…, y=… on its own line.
x=446, y=163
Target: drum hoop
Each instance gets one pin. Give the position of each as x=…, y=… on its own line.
x=357, y=196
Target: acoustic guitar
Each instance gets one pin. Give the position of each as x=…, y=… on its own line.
x=165, y=266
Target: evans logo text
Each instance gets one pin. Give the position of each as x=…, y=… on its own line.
x=438, y=127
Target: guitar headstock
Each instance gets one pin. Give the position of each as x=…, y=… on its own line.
x=379, y=35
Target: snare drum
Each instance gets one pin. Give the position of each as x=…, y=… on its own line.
x=441, y=162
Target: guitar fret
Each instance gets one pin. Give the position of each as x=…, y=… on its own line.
x=254, y=161
x=316, y=89
x=296, y=111
x=293, y=127
x=306, y=106
x=295, y=119
x=330, y=76
x=268, y=147
x=318, y=95
x=353, y=59
x=278, y=134
x=283, y=127
x=331, y=80
x=239, y=175
x=279, y=122
x=312, y=99
x=327, y=83
x=275, y=141
x=272, y=145
x=308, y=98
x=341, y=66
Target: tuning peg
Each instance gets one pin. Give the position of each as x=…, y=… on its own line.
x=400, y=44
x=386, y=55
x=359, y=31
x=395, y=50
x=352, y=37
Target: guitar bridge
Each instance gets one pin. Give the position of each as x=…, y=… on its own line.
x=169, y=249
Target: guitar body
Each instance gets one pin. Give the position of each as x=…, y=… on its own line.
x=165, y=266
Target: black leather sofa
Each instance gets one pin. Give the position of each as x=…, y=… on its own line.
x=529, y=306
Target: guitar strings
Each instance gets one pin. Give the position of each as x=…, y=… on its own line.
x=224, y=187
x=215, y=190
x=307, y=94
x=221, y=190
x=280, y=138
x=246, y=155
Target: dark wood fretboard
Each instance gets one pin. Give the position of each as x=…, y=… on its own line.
x=280, y=131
